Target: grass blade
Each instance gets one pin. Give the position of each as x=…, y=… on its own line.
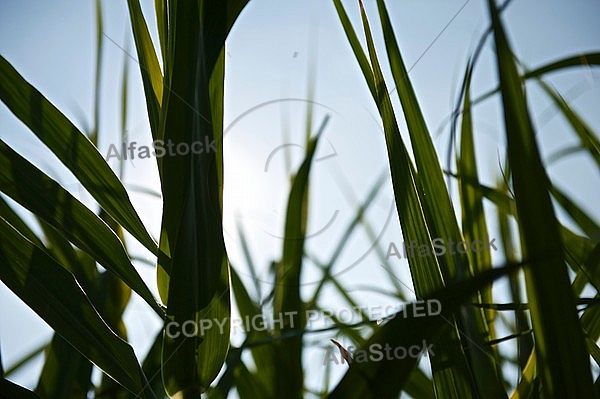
x=73, y=149
x=289, y=372
x=54, y=294
x=560, y=347
x=193, y=271
x=43, y=196
x=386, y=378
x=588, y=140
x=149, y=67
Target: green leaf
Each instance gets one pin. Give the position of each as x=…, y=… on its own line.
x=584, y=59
x=288, y=354
x=588, y=140
x=152, y=78
x=54, y=294
x=66, y=373
x=73, y=149
x=451, y=378
x=583, y=220
x=193, y=271
x=560, y=347
x=27, y=185
x=442, y=222
x=385, y=378
x=262, y=355
x=15, y=220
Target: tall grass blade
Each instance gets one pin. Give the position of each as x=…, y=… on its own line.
x=54, y=294
x=588, y=140
x=440, y=215
x=73, y=149
x=426, y=273
x=37, y=192
x=385, y=378
x=152, y=78
x=288, y=354
x=560, y=348
x=193, y=270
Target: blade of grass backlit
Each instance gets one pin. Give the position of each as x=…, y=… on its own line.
x=560, y=348
x=54, y=294
x=193, y=271
x=160, y=9
x=509, y=247
x=98, y=72
x=588, y=140
x=486, y=364
x=262, y=355
x=386, y=377
x=426, y=273
x=585, y=60
x=585, y=222
x=473, y=216
x=440, y=215
x=66, y=373
x=149, y=68
x=289, y=372
x=43, y=196
x=17, y=222
x=73, y=149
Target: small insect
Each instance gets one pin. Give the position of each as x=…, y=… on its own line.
x=343, y=352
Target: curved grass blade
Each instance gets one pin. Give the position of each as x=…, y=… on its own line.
x=386, y=378
x=27, y=185
x=287, y=299
x=452, y=378
x=193, y=271
x=152, y=78
x=73, y=149
x=585, y=222
x=473, y=216
x=588, y=140
x=560, y=347
x=54, y=294
x=585, y=60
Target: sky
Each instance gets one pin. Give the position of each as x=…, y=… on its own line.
x=277, y=54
